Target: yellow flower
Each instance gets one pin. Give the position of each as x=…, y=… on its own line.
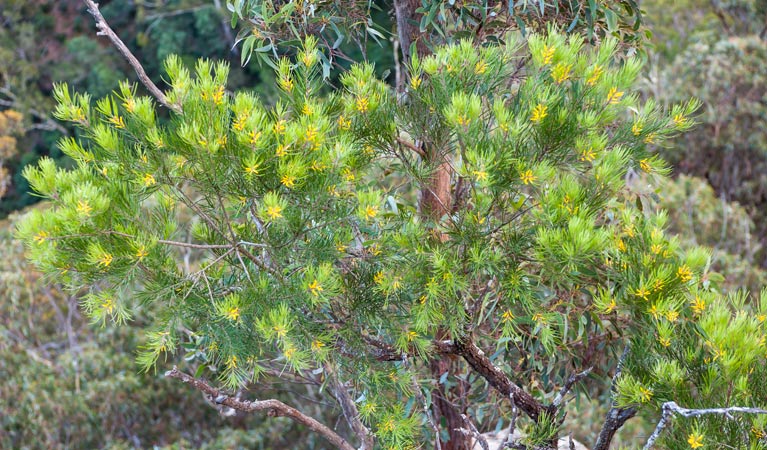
x=83, y=208
x=232, y=313
x=415, y=82
x=315, y=288
x=645, y=165
x=411, y=335
x=507, y=316
x=105, y=260
x=698, y=305
x=378, y=278
x=527, y=177
x=664, y=341
x=595, y=75
x=289, y=181
x=274, y=212
x=684, y=273
x=538, y=317
x=289, y=352
x=588, y=155
x=614, y=95
x=621, y=245
x=463, y=120
x=680, y=120
x=672, y=315
x=344, y=123
x=362, y=104
x=480, y=175
x=374, y=250
x=108, y=305
x=149, y=180
x=650, y=138
x=547, y=54
x=280, y=330
x=480, y=68
x=656, y=249
x=371, y=212
x=307, y=110
x=129, y=104
x=117, y=121
x=341, y=248
x=40, y=237
x=239, y=123
x=348, y=174
x=279, y=126
x=561, y=72
x=252, y=169
x=286, y=84
x=641, y=292
x=317, y=345
x=141, y=253
x=757, y=432
x=218, y=96
x=695, y=440
x=539, y=113
x=231, y=362
x=645, y=394
x=636, y=129
x=255, y=136
x=387, y=426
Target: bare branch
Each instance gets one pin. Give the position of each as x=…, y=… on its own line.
x=349, y=408
x=273, y=408
x=473, y=432
x=105, y=30
x=671, y=408
x=569, y=385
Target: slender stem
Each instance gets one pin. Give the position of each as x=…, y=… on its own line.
x=106, y=30
x=671, y=408
x=272, y=407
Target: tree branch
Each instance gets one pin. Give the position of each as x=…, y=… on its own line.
x=273, y=408
x=616, y=417
x=569, y=385
x=495, y=376
x=349, y=408
x=105, y=30
x=671, y=408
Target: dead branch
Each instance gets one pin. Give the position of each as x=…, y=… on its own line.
x=106, y=30
x=671, y=408
x=273, y=408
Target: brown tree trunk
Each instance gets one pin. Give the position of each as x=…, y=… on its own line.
x=435, y=201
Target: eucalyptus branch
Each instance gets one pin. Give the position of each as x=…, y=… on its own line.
x=671, y=408
x=274, y=408
x=106, y=30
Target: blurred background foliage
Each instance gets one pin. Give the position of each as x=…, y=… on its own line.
x=68, y=384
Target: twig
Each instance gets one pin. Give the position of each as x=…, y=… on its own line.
x=512, y=426
x=349, y=409
x=474, y=432
x=105, y=30
x=671, y=408
x=569, y=385
x=273, y=408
